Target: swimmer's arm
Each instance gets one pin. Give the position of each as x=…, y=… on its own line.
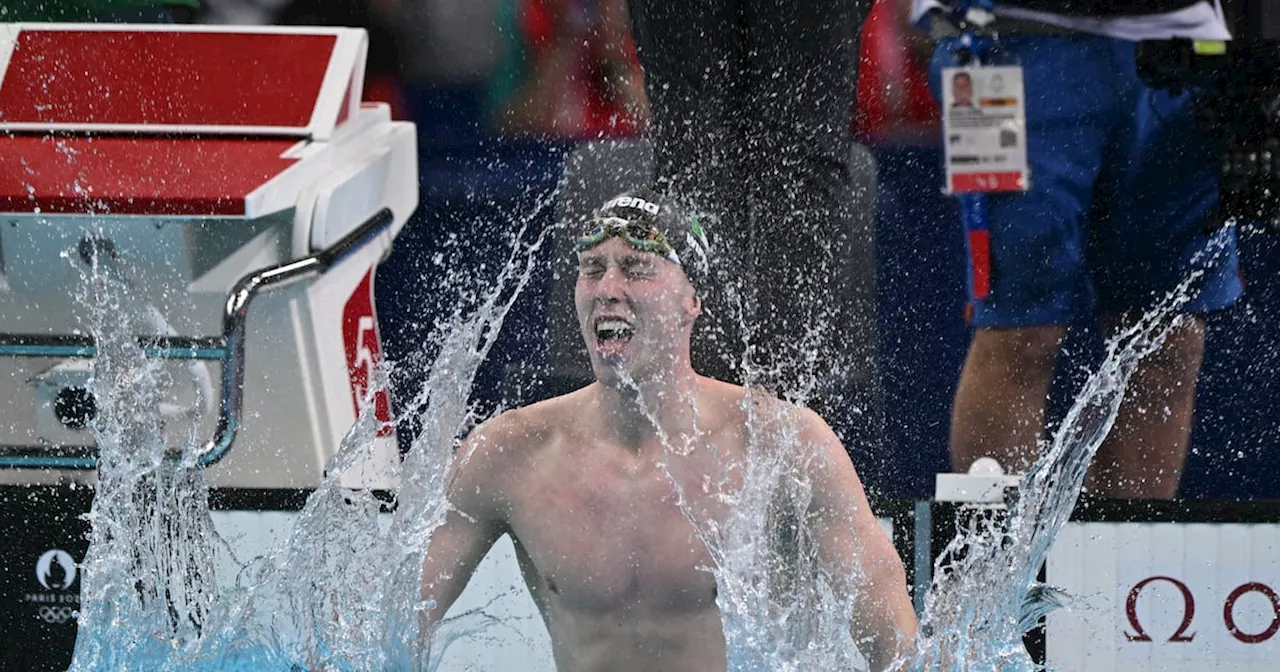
x=473, y=524
x=852, y=544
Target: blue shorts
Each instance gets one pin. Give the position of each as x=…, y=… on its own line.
x=1123, y=192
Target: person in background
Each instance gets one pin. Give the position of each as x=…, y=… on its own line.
x=569, y=70
x=962, y=91
x=378, y=17
x=752, y=105
x=895, y=105
x=1123, y=196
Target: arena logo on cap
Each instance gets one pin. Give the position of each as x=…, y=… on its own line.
x=632, y=202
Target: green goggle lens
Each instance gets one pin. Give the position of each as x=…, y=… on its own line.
x=639, y=236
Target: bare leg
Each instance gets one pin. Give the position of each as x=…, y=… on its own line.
x=999, y=405
x=1145, y=452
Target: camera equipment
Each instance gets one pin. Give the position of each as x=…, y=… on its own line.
x=1239, y=83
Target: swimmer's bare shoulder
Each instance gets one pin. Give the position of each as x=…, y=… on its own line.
x=490, y=463
x=482, y=487
x=728, y=413
x=737, y=406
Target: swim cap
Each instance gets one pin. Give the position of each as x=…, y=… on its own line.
x=651, y=223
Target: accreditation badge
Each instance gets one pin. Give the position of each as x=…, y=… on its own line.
x=984, y=123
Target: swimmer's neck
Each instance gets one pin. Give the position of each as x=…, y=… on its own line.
x=632, y=413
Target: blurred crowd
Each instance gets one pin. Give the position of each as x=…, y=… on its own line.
x=563, y=69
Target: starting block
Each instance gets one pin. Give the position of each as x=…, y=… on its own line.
x=234, y=179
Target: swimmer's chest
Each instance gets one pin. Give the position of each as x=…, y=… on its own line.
x=598, y=538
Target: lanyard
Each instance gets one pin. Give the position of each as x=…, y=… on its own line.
x=973, y=19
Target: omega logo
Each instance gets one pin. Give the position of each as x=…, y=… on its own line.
x=1136, y=633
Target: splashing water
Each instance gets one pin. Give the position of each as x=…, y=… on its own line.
x=151, y=600
x=787, y=614
x=340, y=592
x=984, y=595
x=148, y=579
x=778, y=608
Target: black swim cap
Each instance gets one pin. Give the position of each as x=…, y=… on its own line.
x=650, y=222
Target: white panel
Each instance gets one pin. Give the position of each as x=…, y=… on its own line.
x=1101, y=570
x=1103, y=564
x=349, y=196
x=346, y=67
x=1064, y=568
x=249, y=535
x=8, y=39
x=309, y=375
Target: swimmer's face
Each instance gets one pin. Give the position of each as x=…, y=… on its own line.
x=635, y=309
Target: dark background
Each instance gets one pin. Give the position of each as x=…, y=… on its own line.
x=1253, y=18
x=922, y=335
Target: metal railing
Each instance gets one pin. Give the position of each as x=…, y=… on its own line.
x=228, y=349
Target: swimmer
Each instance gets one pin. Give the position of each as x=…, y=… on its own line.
x=576, y=481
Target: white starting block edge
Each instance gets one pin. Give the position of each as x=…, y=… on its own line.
x=986, y=483
x=971, y=489
x=339, y=164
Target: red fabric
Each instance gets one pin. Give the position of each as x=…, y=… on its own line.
x=158, y=78
x=893, y=89
x=537, y=24
x=586, y=97
x=182, y=176
x=980, y=263
x=387, y=89
x=604, y=118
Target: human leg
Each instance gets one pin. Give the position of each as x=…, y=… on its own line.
x=1153, y=237
x=1027, y=254
x=691, y=54
x=1143, y=456
x=1000, y=402
x=798, y=152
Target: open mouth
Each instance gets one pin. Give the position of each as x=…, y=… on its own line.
x=612, y=335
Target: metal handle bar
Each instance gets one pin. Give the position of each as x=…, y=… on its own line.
x=229, y=349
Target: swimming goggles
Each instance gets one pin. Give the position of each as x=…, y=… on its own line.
x=639, y=235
